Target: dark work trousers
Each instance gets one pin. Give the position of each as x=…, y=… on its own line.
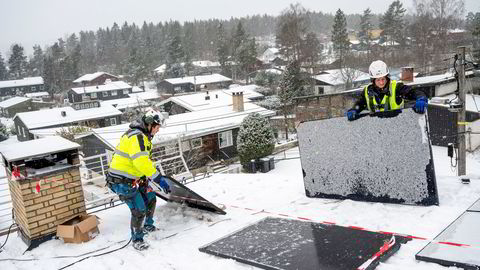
x=141, y=202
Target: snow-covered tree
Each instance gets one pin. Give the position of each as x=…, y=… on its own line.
x=70, y=132
x=3, y=69
x=255, y=138
x=17, y=63
x=3, y=132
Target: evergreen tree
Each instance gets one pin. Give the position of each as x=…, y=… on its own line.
x=246, y=57
x=392, y=23
x=3, y=69
x=421, y=30
x=49, y=75
x=222, y=49
x=188, y=47
x=3, y=132
x=365, y=28
x=239, y=40
x=175, y=53
x=291, y=85
x=340, y=37
x=17, y=63
x=36, y=63
x=255, y=138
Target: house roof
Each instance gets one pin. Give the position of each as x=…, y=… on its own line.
x=147, y=95
x=53, y=117
x=218, y=98
x=202, y=79
x=13, y=101
x=437, y=79
x=33, y=148
x=472, y=101
x=37, y=94
x=92, y=76
x=335, y=77
x=23, y=82
x=192, y=124
x=116, y=85
x=205, y=63
x=123, y=103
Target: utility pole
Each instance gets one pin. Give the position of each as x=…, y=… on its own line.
x=462, y=155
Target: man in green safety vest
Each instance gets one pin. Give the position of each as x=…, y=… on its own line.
x=384, y=94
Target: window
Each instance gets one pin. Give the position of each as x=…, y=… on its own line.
x=41, y=87
x=225, y=139
x=195, y=143
x=23, y=131
x=105, y=94
x=34, y=88
x=93, y=95
x=177, y=89
x=114, y=92
x=125, y=91
x=113, y=121
x=19, y=131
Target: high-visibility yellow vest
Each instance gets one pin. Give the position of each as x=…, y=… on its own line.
x=132, y=156
x=388, y=102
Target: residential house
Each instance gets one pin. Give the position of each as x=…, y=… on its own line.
x=194, y=83
x=20, y=87
x=271, y=57
x=9, y=107
x=335, y=80
x=93, y=116
x=96, y=78
x=209, y=99
x=200, y=136
x=108, y=91
x=39, y=96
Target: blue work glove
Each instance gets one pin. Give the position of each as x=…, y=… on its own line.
x=421, y=105
x=162, y=182
x=352, y=114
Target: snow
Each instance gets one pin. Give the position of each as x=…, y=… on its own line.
x=335, y=77
x=183, y=231
x=202, y=79
x=47, y=145
x=37, y=94
x=192, y=124
x=91, y=77
x=23, y=82
x=116, y=85
x=52, y=117
x=218, y=98
x=13, y=101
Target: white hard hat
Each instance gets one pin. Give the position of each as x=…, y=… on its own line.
x=378, y=69
x=155, y=117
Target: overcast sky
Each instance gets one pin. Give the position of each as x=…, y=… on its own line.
x=30, y=22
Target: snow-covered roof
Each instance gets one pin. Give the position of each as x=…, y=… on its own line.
x=472, y=101
x=91, y=77
x=40, y=147
x=13, y=101
x=116, y=85
x=147, y=95
x=161, y=69
x=46, y=132
x=202, y=79
x=269, y=55
x=189, y=124
x=335, y=77
x=218, y=98
x=37, y=94
x=23, y=82
x=205, y=63
x=123, y=103
x=52, y=117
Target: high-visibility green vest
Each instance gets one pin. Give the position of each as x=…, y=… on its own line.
x=388, y=102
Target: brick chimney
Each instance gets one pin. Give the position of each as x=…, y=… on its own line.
x=237, y=101
x=407, y=74
x=44, y=183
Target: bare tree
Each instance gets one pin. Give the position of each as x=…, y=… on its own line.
x=447, y=14
x=292, y=29
x=421, y=31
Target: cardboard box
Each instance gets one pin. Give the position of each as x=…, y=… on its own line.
x=79, y=229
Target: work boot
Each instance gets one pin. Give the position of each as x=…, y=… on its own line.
x=149, y=228
x=139, y=244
